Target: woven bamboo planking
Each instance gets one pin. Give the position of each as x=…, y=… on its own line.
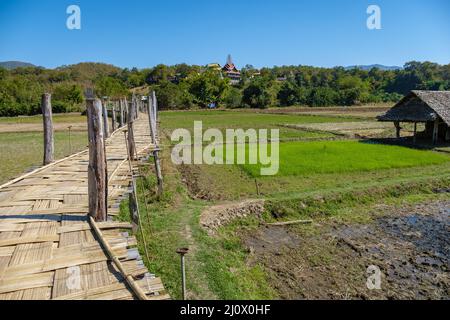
x=46, y=237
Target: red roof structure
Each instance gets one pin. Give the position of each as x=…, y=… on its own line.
x=231, y=71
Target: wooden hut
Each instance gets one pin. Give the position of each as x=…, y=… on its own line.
x=429, y=107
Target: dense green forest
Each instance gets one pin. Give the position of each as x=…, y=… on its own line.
x=183, y=86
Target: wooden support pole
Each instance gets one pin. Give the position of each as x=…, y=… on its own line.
x=133, y=207
x=435, y=131
x=155, y=107
x=397, y=129
x=105, y=120
x=49, y=143
x=152, y=115
x=113, y=118
x=287, y=223
x=97, y=174
x=126, y=109
x=122, y=115
x=158, y=173
x=128, y=277
x=136, y=107
x=150, y=120
x=131, y=106
x=257, y=187
x=130, y=120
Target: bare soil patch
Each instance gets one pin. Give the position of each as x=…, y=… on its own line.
x=214, y=217
x=410, y=245
x=359, y=112
x=191, y=177
x=363, y=129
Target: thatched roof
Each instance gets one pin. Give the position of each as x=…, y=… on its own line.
x=420, y=106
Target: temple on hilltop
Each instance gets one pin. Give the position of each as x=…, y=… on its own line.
x=231, y=72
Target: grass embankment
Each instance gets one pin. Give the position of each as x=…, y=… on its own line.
x=331, y=203
x=21, y=151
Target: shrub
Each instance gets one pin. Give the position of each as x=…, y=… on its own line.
x=172, y=96
x=60, y=106
x=233, y=98
x=322, y=97
x=256, y=95
x=288, y=94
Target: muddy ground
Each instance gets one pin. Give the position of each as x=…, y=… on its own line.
x=410, y=245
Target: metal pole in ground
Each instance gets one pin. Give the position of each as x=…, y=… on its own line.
x=182, y=252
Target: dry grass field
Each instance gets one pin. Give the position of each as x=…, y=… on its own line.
x=21, y=142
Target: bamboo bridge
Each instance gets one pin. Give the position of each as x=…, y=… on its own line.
x=51, y=248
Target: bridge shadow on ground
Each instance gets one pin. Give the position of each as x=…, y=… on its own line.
x=420, y=143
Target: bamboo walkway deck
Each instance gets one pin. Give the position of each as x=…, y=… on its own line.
x=46, y=239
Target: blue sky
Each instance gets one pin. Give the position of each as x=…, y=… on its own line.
x=143, y=33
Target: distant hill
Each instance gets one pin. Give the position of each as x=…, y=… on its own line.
x=87, y=72
x=379, y=66
x=15, y=64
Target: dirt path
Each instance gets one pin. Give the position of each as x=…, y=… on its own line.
x=410, y=245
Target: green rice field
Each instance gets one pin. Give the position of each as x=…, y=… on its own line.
x=318, y=157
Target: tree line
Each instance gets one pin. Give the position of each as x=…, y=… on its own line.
x=185, y=86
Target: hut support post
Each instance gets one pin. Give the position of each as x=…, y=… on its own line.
x=49, y=144
x=97, y=179
x=397, y=129
x=435, y=131
x=415, y=133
